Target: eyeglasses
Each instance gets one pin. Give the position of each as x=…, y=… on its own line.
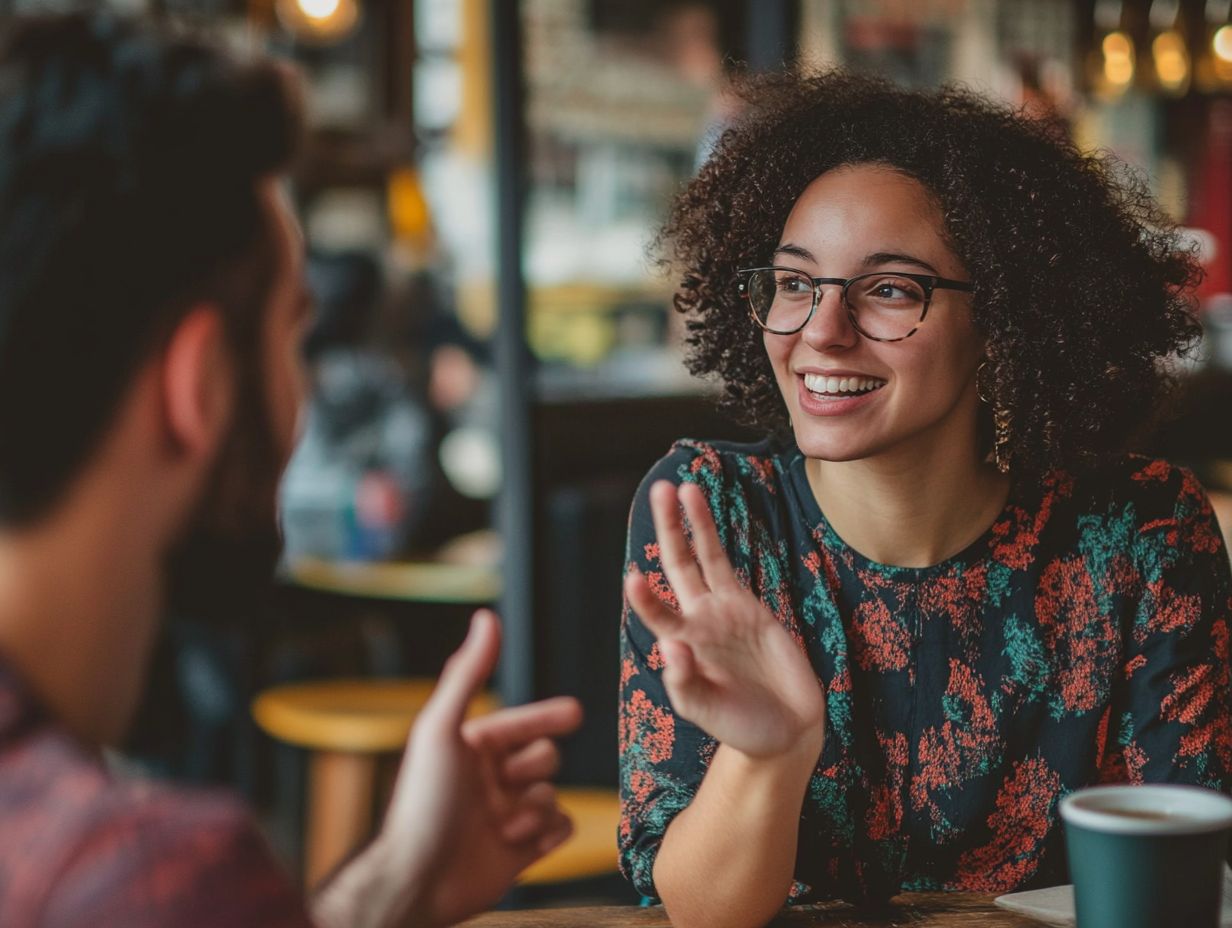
x=886, y=306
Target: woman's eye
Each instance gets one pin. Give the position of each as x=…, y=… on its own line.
x=895, y=290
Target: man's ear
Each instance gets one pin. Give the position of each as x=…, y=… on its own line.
x=197, y=387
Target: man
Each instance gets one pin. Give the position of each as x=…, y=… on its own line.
x=150, y=305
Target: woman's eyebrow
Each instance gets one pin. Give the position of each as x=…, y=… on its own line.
x=871, y=260
x=796, y=251
x=891, y=257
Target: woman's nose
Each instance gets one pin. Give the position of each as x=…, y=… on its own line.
x=830, y=326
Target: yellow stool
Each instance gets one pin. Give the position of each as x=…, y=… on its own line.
x=350, y=726
x=591, y=849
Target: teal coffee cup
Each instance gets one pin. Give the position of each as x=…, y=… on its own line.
x=1147, y=856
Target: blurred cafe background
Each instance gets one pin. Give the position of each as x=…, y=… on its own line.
x=495, y=363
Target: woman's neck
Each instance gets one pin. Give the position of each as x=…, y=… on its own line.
x=912, y=507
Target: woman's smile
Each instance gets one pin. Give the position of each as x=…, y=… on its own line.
x=834, y=396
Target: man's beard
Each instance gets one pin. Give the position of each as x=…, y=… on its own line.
x=217, y=582
x=223, y=563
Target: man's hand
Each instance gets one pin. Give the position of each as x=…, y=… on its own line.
x=731, y=668
x=472, y=807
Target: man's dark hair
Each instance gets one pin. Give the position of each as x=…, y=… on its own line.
x=1083, y=287
x=130, y=159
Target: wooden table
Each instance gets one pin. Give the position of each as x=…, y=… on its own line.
x=917, y=910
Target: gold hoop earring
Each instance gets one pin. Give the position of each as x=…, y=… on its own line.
x=979, y=383
x=1001, y=440
x=1001, y=421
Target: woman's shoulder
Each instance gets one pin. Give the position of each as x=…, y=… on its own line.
x=716, y=464
x=1153, y=487
x=745, y=485
x=1131, y=500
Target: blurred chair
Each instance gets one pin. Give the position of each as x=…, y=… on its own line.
x=350, y=727
x=583, y=491
x=591, y=850
x=354, y=727
x=1221, y=502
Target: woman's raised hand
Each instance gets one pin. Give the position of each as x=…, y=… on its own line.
x=731, y=668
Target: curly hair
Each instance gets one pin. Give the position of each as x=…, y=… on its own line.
x=1082, y=285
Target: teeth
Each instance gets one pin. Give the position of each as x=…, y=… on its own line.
x=834, y=386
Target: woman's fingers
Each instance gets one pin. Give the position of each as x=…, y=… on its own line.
x=679, y=665
x=678, y=563
x=688, y=690
x=716, y=568
x=653, y=612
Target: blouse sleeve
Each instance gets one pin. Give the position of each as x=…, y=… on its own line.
x=1175, y=721
x=662, y=757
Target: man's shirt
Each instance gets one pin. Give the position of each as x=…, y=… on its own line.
x=80, y=847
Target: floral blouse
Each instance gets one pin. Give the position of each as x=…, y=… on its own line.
x=1083, y=639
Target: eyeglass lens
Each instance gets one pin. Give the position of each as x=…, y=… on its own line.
x=882, y=305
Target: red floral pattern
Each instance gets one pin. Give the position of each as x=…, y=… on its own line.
x=1020, y=823
x=1083, y=639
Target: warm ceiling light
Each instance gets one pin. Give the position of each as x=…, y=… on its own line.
x=1118, y=60
x=319, y=20
x=1118, y=44
x=1221, y=43
x=1217, y=73
x=319, y=9
x=1171, y=61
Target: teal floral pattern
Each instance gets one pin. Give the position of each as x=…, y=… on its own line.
x=1083, y=639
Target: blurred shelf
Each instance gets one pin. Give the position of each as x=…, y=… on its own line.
x=592, y=297
x=634, y=375
x=407, y=581
x=353, y=159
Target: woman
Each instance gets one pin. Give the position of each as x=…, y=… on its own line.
x=939, y=597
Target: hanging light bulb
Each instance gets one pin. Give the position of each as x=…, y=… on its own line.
x=1112, y=64
x=1119, y=56
x=1221, y=44
x=1171, y=62
x=1168, y=49
x=1214, y=68
x=320, y=21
